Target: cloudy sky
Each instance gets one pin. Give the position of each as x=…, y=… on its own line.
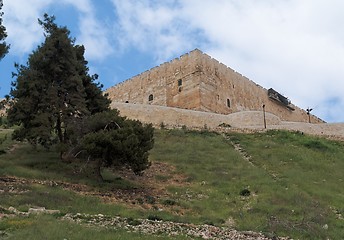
x=293, y=46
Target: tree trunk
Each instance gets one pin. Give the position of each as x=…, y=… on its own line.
x=98, y=170
x=59, y=133
x=59, y=128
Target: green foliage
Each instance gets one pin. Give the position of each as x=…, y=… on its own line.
x=4, y=122
x=316, y=145
x=54, y=229
x=53, y=89
x=169, y=202
x=115, y=141
x=245, y=192
x=5, y=140
x=150, y=199
x=3, y=46
x=154, y=218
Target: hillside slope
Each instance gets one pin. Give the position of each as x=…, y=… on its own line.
x=278, y=183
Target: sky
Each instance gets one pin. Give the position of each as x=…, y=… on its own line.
x=293, y=46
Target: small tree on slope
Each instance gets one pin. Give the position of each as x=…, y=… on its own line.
x=110, y=140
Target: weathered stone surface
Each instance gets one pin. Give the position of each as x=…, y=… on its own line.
x=246, y=121
x=195, y=81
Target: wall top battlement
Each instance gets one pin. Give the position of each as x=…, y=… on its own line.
x=196, y=53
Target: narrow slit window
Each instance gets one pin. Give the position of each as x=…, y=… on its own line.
x=150, y=97
x=180, y=82
x=228, y=103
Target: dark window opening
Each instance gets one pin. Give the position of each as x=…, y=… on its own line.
x=180, y=89
x=150, y=98
x=126, y=101
x=228, y=103
x=180, y=82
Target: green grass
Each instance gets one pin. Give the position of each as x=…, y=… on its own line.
x=65, y=201
x=306, y=183
x=32, y=229
x=295, y=185
x=5, y=140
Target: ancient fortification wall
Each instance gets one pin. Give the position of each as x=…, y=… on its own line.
x=196, y=81
x=159, y=85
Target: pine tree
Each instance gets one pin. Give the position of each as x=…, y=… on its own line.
x=95, y=100
x=53, y=89
x=110, y=140
x=3, y=46
x=55, y=100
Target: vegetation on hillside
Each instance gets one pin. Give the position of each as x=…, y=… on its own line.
x=53, y=89
x=279, y=183
x=57, y=104
x=291, y=185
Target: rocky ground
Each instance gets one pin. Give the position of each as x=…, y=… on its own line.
x=145, y=226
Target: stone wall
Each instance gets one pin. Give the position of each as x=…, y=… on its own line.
x=196, y=81
x=177, y=117
x=245, y=121
x=172, y=84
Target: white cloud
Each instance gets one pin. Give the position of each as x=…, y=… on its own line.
x=294, y=46
x=24, y=33
x=20, y=19
x=153, y=26
x=94, y=35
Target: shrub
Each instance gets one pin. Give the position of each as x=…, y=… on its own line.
x=316, y=144
x=133, y=222
x=150, y=199
x=170, y=202
x=140, y=200
x=245, y=192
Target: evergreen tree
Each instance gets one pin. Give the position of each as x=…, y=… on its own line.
x=55, y=100
x=95, y=100
x=53, y=89
x=3, y=46
x=110, y=140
